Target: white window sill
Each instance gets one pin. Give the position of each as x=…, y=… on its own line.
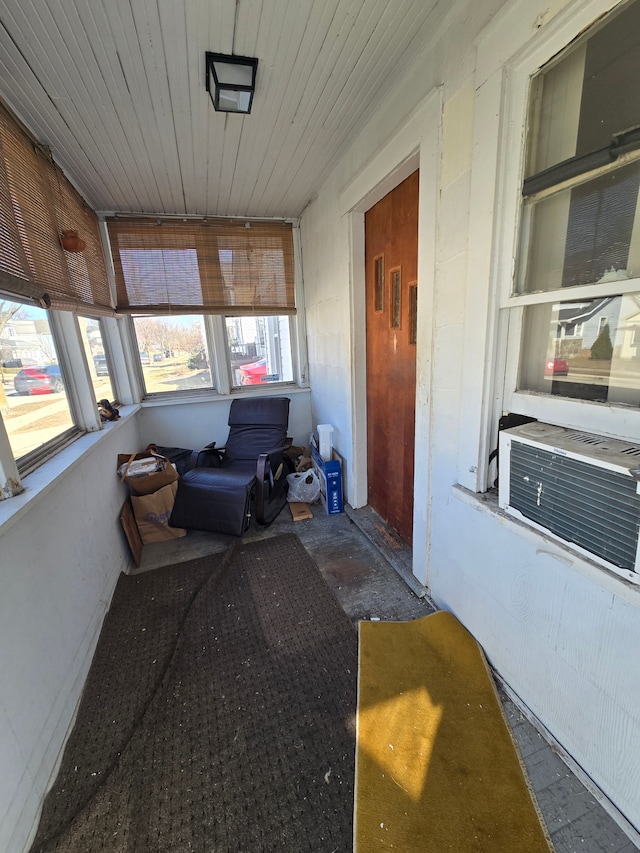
x=606, y=579
x=41, y=481
x=213, y=396
x=48, y=475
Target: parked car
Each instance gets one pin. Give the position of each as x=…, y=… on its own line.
x=556, y=367
x=252, y=374
x=38, y=380
x=20, y=362
x=144, y=357
x=100, y=364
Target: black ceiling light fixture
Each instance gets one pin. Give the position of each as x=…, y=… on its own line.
x=231, y=82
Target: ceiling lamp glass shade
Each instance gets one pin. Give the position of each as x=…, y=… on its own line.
x=231, y=82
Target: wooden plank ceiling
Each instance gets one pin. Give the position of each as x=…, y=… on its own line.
x=116, y=89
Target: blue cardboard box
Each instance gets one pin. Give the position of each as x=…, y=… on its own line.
x=330, y=474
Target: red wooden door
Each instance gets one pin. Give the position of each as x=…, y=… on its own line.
x=391, y=259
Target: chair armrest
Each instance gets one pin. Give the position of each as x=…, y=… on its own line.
x=271, y=486
x=278, y=453
x=207, y=457
x=264, y=479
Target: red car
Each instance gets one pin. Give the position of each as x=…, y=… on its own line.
x=38, y=380
x=556, y=367
x=251, y=374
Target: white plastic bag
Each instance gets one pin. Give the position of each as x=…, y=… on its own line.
x=304, y=487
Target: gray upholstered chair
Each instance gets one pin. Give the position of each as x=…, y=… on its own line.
x=247, y=477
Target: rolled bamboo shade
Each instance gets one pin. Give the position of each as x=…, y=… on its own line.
x=194, y=266
x=37, y=202
x=87, y=286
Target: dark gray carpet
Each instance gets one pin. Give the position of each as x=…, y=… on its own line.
x=218, y=715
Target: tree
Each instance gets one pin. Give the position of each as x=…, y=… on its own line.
x=602, y=348
x=146, y=333
x=8, y=310
x=190, y=337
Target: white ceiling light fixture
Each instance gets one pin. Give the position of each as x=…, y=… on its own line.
x=231, y=82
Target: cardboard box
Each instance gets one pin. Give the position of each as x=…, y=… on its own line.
x=299, y=511
x=150, y=483
x=128, y=521
x=330, y=474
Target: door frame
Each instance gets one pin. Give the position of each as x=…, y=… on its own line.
x=416, y=145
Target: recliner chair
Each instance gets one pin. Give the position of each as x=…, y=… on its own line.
x=225, y=485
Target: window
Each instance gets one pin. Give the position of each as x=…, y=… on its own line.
x=379, y=283
x=173, y=353
x=39, y=205
x=45, y=402
x=259, y=350
x=600, y=366
x=396, y=298
x=413, y=313
x=97, y=359
x=577, y=286
x=227, y=288
x=33, y=398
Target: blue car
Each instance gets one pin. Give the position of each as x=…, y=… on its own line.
x=38, y=380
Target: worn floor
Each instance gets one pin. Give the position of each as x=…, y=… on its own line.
x=369, y=572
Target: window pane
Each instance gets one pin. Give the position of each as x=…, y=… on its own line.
x=379, y=283
x=413, y=313
x=259, y=350
x=33, y=400
x=173, y=353
x=592, y=93
x=91, y=332
x=585, y=234
x=587, y=350
x=396, y=298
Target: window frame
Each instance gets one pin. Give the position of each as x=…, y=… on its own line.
x=120, y=346
x=609, y=418
x=219, y=357
x=511, y=86
x=107, y=347
x=79, y=392
x=129, y=377
x=508, y=53
x=143, y=393
x=278, y=384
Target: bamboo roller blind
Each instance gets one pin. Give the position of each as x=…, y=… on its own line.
x=37, y=203
x=194, y=266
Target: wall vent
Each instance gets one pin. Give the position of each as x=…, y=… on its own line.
x=581, y=488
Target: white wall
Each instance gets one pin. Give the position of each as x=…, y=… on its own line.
x=61, y=552
x=560, y=631
x=194, y=425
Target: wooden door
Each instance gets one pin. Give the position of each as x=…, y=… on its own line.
x=391, y=259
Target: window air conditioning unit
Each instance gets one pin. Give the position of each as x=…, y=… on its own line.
x=583, y=489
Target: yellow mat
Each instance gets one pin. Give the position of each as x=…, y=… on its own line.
x=436, y=766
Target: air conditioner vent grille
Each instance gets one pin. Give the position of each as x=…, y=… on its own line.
x=586, y=438
x=596, y=441
x=594, y=507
